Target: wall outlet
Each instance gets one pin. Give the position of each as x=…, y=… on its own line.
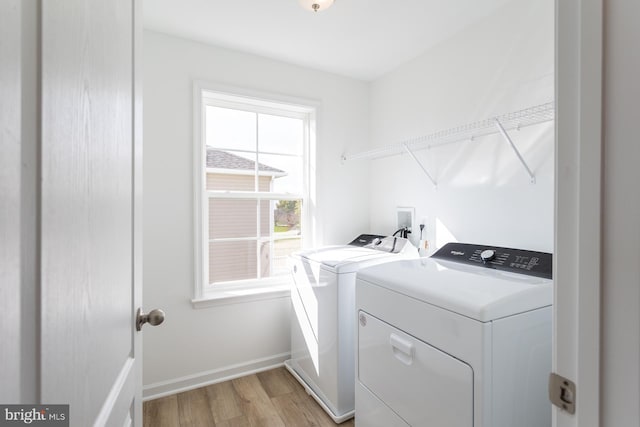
x=404, y=218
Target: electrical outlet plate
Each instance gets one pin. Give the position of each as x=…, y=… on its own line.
x=405, y=217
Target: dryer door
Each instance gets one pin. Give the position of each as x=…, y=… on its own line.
x=420, y=383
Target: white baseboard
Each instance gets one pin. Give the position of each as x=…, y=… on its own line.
x=201, y=379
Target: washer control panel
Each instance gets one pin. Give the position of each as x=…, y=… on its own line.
x=367, y=240
x=531, y=263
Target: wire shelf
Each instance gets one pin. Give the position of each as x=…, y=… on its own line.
x=514, y=120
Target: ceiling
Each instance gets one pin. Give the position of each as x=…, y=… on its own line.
x=362, y=39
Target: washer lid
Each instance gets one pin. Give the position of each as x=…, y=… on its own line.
x=345, y=259
x=478, y=293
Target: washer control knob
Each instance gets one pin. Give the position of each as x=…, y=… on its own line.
x=487, y=255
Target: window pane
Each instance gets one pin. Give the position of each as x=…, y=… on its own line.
x=236, y=218
x=266, y=218
x=281, y=251
x=232, y=261
x=231, y=162
x=265, y=258
x=230, y=218
x=287, y=174
x=235, y=171
x=250, y=151
x=224, y=181
x=280, y=134
x=265, y=183
x=286, y=218
x=231, y=129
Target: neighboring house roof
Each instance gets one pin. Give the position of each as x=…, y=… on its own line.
x=220, y=159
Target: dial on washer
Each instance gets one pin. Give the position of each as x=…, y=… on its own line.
x=487, y=255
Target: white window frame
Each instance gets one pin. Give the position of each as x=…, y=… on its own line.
x=205, y=94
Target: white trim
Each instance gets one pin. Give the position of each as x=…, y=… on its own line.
x=219, y=298
x=239, y=291
x=200, y=227
x=253, y=239
x=269, y=99
x=213, y=101
x=214, y=376
x=252, y=195
x=204, y=94
x=312, y=133
x=275, y=153
x=245, y=172
x=577, y=254
x=19, y=128
x=138, y=190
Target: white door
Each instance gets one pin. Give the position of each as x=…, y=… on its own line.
x=577, y=267
x=597, y=320
x=89, y=236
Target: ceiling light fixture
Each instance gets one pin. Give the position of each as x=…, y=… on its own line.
x=316, y=5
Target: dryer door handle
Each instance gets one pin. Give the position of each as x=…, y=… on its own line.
x=402, y=349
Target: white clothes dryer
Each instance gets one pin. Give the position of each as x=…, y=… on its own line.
x=324, y=316
x=460, y=339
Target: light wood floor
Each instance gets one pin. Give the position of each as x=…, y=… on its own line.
x=268, y=399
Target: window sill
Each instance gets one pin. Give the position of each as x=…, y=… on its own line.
x=229, y=294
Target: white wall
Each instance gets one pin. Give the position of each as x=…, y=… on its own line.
x=214, y=341
x=620, y=337
x=501, y=64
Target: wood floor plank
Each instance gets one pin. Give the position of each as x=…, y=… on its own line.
x=240, y=421
x=256, y=404
x=298, y=408
x=269, y=399
x=293, y=414
x=162, y=412
x=224, y=401
x=147, y=410
x=277, y=382
x=194, y=409
x=310, y=406
x=270, y=421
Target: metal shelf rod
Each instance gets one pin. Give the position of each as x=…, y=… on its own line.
x=426, y=172
x=515, y=150
x=514, y=120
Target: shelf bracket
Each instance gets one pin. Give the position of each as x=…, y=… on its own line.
x=515, y=150
x=426, y=172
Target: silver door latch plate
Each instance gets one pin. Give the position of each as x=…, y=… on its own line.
x=562, y=393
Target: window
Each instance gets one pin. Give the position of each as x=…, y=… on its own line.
x=252, y=190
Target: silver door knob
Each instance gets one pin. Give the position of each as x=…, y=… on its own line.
x=154, y=318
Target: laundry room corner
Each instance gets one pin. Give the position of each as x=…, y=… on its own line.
x=198, y=346
x=502, y=64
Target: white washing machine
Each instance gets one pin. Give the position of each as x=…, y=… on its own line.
x=323, y=319
x=460, y=339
